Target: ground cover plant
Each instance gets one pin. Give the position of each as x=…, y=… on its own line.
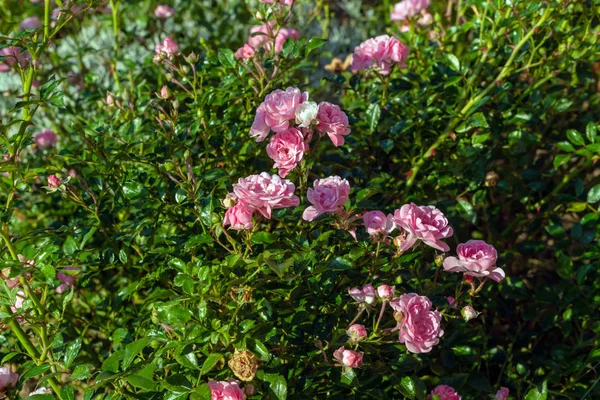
x=310, y=199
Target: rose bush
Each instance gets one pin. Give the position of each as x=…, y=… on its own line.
x=299, y=199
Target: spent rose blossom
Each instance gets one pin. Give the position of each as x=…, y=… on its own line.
x=30, y=23
x=419, y=327
x=167, y=47
x=7, y=378
x=239, y=217
x=475, y=258
x=381, y=52
x=348, y=358
x=408, y=8
x=224, y=390
x=53, y=181
x=328, y=195
x=386, y=291
x=444, y=392
x=163, y=12
x=244, y=52
x=46, y=138
x=286, y=148
x=377, y=223
x=366, y=295
x=502, y=394
x=332, y=121
x=357, y=332
x=266, y=192
x=425, y=223
x=13, y=56
x=276, y=112
x=306, y=114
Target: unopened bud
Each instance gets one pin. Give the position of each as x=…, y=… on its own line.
x=192, y=58
x=439, y=260
x=259, y=16
x=469, y=313
x=110, y=99
x=491, y=179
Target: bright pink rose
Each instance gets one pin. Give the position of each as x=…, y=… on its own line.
x=46, y=138
x=365, y=295
x=283, y=35
x=475, y=258
x=276, y=112
x=13, y=55
x=286, y=148
x=285, y=2
x=502, y=394
x=377, y=223
x=239, y=217
x=30, y=23
x=419, y=328
x=260, y=35
x=223, y=390
x=66, y=281
x=168, y=47
x=333, y=121
x=7, y=378
x=444, y=392
x=348, y=358
x=408, y=8
x=53, y=181
x=385, y=291
x=244, y=52
x=265, y=192
x=328, y=196
x=357, y=332
x=381, y=52
x=163, y=12
x=425, y=223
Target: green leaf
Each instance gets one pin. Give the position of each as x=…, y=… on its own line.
x=373, y=113
x=313, y=44
x=466, y=210
x=41, y=397
x=565, y=146
x=202, y=392
x=111, y=364
x=210, y=363
x=263, y=238
x=408, y=387
x=591, y=132
x=35, y=371
x=72, y=352
x=535, y=394
x=575, y=137
x=277, y=385
x=80, y=373
x=564, y=265
x=593, y=195
x=132, y=190
x=453, y=62
x=141, y=382
x=133, y=349
x=561, y=159
x=227, y=58
x=67, y=393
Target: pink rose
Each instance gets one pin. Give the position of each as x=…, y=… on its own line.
x=425, y=223
x=13, y=55
x=357, y=332
x=328, y=196
x=408, y=8
x=276, y=112
x=223, y=390
x=283, y=35
x=502, y=394
x=333, y=121
x=244, y=52
x=163, y=12
x=475, y=258
x=239, y=216
x=444, y=392
x=381, y=52
x=7, y=378
x=66, y=281
x=286, y=148
x=53, y=182
x=419, y=328
x=285, y=2
x=377, y=223
x=348, y=358
x=265, y=192
x=168, y=47
x=260, y=35
x=451, y=301
x=306, y=114
x=30, y=23
x=365, y=295
x=385, y=291
x=46, y=138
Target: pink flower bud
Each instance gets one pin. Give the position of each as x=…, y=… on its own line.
x=348, y=358
x=53, y=182
x=385, y=291
x=469, y=313
x=356, y=332
x=163, y=12
x=502, y=394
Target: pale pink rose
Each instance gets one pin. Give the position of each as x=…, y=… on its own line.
x=66, y=281
x=357, y=332
x=328, y=195
x=163, y=12
x=377, y=223
x=348, y=358
x=365, y=295
x=46, y=138
x=244, y=52
x=8, y=378
x=381, y=52
x=260, y=35
x=13, y=55
x=276, y=112
x=419, y=328
x=283, y=35
x=385, y=291
x=266, y=192
x=239, y=217
x=168, y=47
x=475, y=258
x=502, y=394
x=425, y=223
x=306, y=114
x=224, y=390
x=333, y=121
x=285, y=2
x=286, y=148
x=30, y=23
x=444, y=392
x=53, y=181
x=408, y=8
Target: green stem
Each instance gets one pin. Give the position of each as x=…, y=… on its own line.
x=9, y=245
x=114, y=5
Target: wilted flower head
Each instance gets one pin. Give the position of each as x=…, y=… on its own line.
x=328, y=195
x=475, y=258
x=163, y=12
x=348, y=358
x=244, y=365
x=381, y=53
x=425, y=223
x=366, y=295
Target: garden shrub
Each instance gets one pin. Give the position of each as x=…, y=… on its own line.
x=211, y=199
